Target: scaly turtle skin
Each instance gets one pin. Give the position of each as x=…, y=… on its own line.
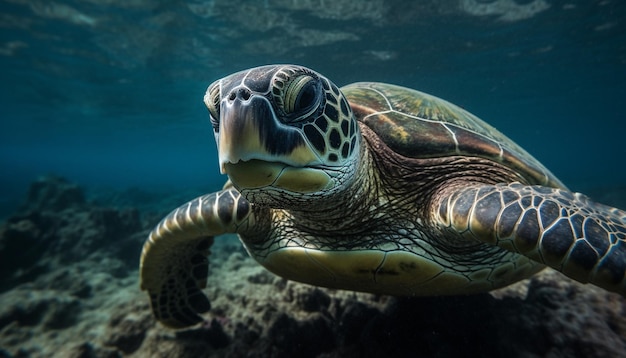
x=374, y=188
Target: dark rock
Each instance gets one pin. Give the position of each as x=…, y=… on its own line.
x=84, y=231
x=23, y=241
x=217, y=337
x=590, y=322
x=31, y=308
x=84, y=350
x=58, y=228
x=307, y=298
x=353, y=321
x=53, y=193
x=88, y=350
x=116, y=223
x=126, y=332
x=474, y=326
x=188, y=343
x=261, y=278
x=245, y=334
x=315, y=300
x=62, y=312
x=282, y=330
x=88, y=249
x=213, y=334
x=70, y=280
x=289, y=337
x=280, y=283
x=26, y=312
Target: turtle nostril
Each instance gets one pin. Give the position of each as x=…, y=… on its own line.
x=244, y=94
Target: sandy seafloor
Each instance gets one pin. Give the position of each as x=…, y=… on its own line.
x=74, y=292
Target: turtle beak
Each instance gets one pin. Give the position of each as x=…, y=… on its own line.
x=239, y=133
x=257, y=150
x=249, y=130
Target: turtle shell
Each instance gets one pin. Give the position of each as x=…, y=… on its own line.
x=418, y=125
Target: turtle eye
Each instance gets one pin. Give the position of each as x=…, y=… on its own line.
x=212, y=102
x=300, y=96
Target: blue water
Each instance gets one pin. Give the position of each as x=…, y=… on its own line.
x=109, y=93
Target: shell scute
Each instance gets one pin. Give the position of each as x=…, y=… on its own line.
x=418, y=125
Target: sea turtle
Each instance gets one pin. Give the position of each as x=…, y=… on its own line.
x=375, y=188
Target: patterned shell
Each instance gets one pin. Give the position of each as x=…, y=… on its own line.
x=418, y=125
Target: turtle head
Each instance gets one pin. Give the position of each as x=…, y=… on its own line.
x=284, y=129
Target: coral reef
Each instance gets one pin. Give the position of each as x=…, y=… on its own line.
x=56, y=226
x=70, y=289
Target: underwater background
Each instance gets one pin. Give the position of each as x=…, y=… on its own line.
x=107, y=94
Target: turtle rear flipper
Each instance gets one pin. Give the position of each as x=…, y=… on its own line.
x=174, y=265
x=566, y=231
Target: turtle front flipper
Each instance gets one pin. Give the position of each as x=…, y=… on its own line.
x=174, y=265
x=566, y=231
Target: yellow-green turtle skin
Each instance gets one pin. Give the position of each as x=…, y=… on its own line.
x=374, y=188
